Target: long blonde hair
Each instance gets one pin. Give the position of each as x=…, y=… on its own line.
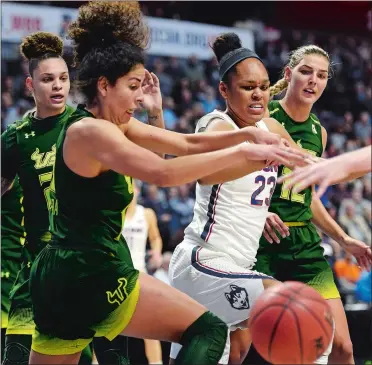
x=295, y=58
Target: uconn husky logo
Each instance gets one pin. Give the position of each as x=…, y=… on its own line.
x=238, y=297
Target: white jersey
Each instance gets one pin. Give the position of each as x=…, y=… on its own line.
x=230, y=217
x=135, y=233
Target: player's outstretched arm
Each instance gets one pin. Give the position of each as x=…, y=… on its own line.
x=178, y=144
x=345, y=167
x=93, y=146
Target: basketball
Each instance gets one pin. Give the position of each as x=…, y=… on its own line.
x=291, y=324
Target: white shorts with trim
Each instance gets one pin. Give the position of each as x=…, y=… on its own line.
x=216, y=281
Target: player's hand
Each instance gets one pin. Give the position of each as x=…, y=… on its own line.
x=260, y=136
x=359, y=250
x=152, y=100
x=278, y=155
x=320, y=173
x=155, y=260
x=273, y=221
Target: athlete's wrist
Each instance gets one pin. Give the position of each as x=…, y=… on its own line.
x=342, y=239
x=249, y=133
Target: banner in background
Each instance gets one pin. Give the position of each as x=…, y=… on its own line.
x=168, y=37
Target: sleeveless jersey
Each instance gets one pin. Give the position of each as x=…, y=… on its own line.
x=291, y=207
x=87, y=212
x=135, y=233
x=230, y=217
x=28, y=149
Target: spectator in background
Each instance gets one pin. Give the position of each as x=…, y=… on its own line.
x=362, y=127
x=194, y=69
x=166, y=81
x=354, y=224
x=347, y=270
x=209, y=100
x=175, y=69
x=357, y=200
x=156, y=199
x=170, y=117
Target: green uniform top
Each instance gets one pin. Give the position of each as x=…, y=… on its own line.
x=28, y=150
x=87, y=212
x=12, y=230
x=289, y=206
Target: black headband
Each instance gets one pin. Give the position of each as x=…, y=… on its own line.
x=232, y=58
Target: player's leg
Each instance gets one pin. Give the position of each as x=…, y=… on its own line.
x=41, y=359
x=172, y=316
x=20, y=323
x=153, y=351
x=342, y=351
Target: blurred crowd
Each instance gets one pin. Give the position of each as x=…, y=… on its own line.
x=190, y=90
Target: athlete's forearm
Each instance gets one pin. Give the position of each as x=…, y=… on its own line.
x=325, y=222
x=356, y=164
x=156, y=119
x=156, y=244
x=182, y=170
x=213, y=141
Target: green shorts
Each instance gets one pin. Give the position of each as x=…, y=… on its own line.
x=20, y=312
x=298, y=257
x=9, y=270
x=78, y=294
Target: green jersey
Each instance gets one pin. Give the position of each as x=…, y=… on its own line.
x=87, y=212
x=28, y=150
x=289, y=206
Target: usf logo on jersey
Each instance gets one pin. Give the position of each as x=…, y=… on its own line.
x=120, y=293
x=44, y=159
x=314, y=129
x=28, y=135
x=238, y=297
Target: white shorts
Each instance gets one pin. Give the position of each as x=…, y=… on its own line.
x=216, y=281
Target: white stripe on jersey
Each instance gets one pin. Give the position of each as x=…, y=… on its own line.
x=230, y=217
x=135, y=233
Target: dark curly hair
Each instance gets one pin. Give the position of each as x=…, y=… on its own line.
x=109, y=40
x=40, y=46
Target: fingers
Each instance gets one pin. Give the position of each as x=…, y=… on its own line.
x=280, y=226
x=322, y=188
x=147, y=78
x=284, y=142
x=267, y=236
x=155, y=80
x=271, y=233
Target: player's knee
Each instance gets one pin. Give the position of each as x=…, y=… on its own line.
x=16, y=353
x=206, y=337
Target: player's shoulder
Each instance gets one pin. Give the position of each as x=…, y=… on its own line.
x=9, y=136
x=315, y=119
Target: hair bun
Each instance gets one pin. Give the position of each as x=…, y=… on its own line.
x=40, y=43
x=226, y=43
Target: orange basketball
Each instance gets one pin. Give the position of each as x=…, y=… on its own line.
x=291, y=324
